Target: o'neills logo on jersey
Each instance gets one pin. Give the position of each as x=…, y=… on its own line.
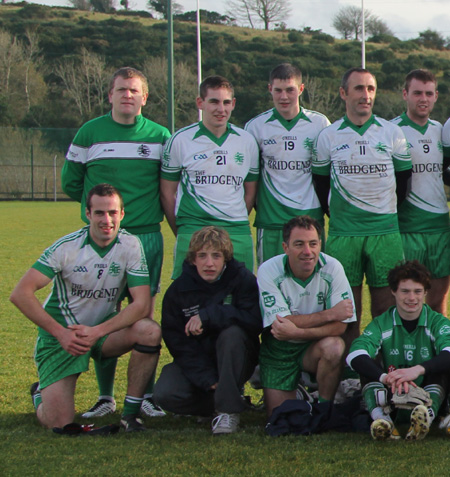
x=224, y=180
x=109, y=293
x=289, y=165
x=269, y=300
x=434, y=167
x=343, y=147
x=361, y=169
x=143, y=150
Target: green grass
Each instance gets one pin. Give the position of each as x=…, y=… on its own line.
x=172, y=446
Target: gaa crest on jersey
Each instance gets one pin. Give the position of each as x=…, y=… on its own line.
x=380, y=147
x=114, y=269
x=143, y=150
x=440, y=146
x=80, y=269
x=269, y=300
x=199, y=157
x=239, y=158
x=308, y=144
x=424, y=352
x=320, y=298
x=445, y=330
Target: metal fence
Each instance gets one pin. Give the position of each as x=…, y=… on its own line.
x=31, y=162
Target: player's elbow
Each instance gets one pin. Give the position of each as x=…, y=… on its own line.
x=144, y=309
x=340, y=328
x=16, y=296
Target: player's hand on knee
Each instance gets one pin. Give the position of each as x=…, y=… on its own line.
x=283, y=329
x=72, y=343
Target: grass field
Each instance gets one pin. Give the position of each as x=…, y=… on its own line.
x=172, y=446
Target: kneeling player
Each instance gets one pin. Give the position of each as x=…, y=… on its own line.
x=405, y=347
x=90, y=269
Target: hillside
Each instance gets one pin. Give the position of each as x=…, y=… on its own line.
x=94, y=44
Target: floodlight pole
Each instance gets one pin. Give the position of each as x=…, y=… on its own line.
x=170, y=90
x=199, y=54
x=363, y=33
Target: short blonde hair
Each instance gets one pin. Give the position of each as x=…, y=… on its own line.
x=213, y=237
x=128, y=72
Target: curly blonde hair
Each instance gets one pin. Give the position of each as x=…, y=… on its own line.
x=211, y=237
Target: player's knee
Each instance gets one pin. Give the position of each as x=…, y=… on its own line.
x=147, y=332
x=332, y=348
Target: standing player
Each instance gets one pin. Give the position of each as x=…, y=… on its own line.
x=90, y=269
x=209, y=175
x=306, y=302
x=124, y=149
x=366, y=161
x=408, y=345
x=285, y=135
x=424, y=217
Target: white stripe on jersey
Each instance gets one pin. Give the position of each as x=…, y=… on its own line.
x=115, y=150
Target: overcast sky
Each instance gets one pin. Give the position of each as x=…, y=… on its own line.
x=406, y=18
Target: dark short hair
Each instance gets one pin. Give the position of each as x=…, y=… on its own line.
x=302, y=222
x=103, y=190
x=128, y=72
x=210, y=236
x=410, y=270
x=214, y=82
x=285, y=71
x=348, y=73
x=421, y=75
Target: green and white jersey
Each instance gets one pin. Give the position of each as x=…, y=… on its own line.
x=386, y=335
x=87, y=279
x=285, y=189
x=211, y=172
x=125, y=156
x=362, y=162
x=425, y=209
x=280, y=293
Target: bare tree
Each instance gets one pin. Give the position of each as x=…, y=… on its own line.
x=320, y=98
x=266, y=12
x=32, y=59
x=185, y=91
x=85, y=80
x=270, y=11
x=241, y=10
x=376, y=27
x=348, y=22
x=11, y=54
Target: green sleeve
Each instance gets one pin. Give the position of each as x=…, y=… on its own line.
x=72, y=179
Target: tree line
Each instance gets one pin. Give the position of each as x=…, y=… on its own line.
x=55, y=64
